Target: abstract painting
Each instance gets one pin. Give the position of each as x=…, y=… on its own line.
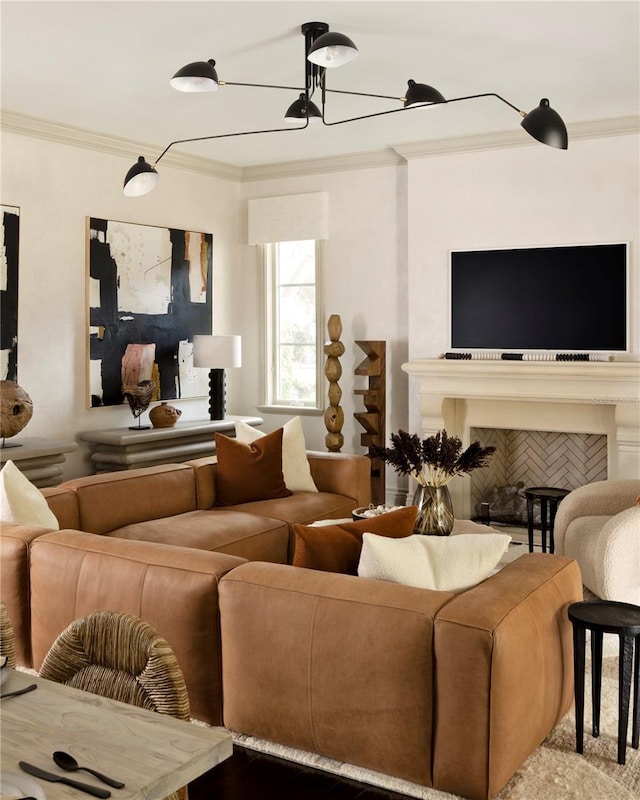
x=9, y=293
x=149, y=291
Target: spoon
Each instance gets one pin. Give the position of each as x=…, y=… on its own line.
x=68, y=762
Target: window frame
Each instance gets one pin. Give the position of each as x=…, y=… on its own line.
x=269, y=329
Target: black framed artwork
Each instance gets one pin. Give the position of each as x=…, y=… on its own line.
x=149, y=290
x=9, y=253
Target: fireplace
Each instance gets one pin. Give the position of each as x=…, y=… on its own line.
x=531, y=458
x=583, y=398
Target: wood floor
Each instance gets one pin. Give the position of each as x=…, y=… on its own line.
x=248, y=775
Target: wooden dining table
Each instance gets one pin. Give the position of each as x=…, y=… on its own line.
x=153, y=754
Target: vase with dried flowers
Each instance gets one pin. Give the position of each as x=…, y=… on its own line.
x=433, y=462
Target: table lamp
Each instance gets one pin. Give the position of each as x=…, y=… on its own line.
x=217, y=353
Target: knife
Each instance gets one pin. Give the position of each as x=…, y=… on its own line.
x=16, y=692
x=50, y=776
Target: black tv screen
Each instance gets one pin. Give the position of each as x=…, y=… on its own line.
x=570, y=298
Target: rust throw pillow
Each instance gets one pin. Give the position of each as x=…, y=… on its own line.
x=249, y=472
x=336, y=548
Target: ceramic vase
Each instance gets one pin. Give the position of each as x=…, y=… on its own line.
x=435, y=510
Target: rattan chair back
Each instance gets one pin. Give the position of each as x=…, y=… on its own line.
x=120, y=656
x=6, y=637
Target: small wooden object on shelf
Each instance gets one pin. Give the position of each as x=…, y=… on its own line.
x=373, y=420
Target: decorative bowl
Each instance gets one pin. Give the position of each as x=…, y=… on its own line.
x=367, y=512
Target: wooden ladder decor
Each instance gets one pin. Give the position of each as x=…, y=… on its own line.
x=373, y=419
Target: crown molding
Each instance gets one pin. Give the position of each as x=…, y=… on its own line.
x=291, y=169
x=22, y=124
x=596, y=129
x=393, y=156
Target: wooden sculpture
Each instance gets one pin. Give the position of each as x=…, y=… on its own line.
x=334, y=415
x=373, y=419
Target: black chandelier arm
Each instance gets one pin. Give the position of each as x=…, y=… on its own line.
x=229, y=135
x=262, y=86
x=422, y=105
x=364, y=94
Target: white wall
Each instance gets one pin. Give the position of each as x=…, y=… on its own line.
x=363, y=280
x=385, y=265
x=56, y=187
x=524, y=196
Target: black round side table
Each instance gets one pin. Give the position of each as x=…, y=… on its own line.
x=599, y=617
x=546, y=495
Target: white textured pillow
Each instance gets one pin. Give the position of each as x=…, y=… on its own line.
x=21, y=502
x=295, y=466
x=445, y=563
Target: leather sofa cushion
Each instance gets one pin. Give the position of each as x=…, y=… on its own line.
x=504, y=672
x=111, y=500
x=249, y=471
x=332, y=664
x=174, y=589
x=336, y=548
x=15, y=544
x=222, y=530
x=302, y=507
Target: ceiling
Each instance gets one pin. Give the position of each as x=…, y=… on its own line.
x=105, y=67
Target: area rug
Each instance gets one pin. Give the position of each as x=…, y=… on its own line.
x=552, y=772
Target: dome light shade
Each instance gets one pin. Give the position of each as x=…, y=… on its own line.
x=302, y=109
x=141, y=179
x=332, y=50
x=546, y=125
x=419, y=94
x=199, y=76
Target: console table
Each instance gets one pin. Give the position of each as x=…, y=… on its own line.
x=122, y=448
x=40, y=460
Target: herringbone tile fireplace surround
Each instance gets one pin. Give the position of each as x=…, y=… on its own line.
x=537, y=458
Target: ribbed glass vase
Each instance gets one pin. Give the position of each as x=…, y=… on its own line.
x=435, y=510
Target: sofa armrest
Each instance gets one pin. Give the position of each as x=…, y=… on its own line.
x=597, y=499
x=504, y=672
x=617, y=556
x=174, y=589
x=64, y=504
x=342, y=473
x=15, y=543
x=332, y=664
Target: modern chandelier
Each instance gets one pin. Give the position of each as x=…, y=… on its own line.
x=325, y=49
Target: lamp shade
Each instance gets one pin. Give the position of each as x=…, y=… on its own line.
x=141, y=179
x=419, y=94
x=546, y=125
x=199, y=76
x=301, y=109
x=332, y=49
x=217, y=352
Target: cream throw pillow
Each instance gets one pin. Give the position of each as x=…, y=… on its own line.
x=295, y=466
x=21, y=502
x=445, y=563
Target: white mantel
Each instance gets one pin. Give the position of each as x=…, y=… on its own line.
x=574, y=397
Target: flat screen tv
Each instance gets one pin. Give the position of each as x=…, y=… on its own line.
x=568, y=299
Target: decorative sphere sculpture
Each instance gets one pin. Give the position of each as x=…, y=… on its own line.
x=164, y=416
x=16, y=409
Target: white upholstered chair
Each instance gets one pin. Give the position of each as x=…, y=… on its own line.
x=599, y=526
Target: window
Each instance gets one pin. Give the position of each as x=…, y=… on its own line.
x=292, y=335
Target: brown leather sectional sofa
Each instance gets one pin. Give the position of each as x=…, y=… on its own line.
x=159, y=517
x=450, y=691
